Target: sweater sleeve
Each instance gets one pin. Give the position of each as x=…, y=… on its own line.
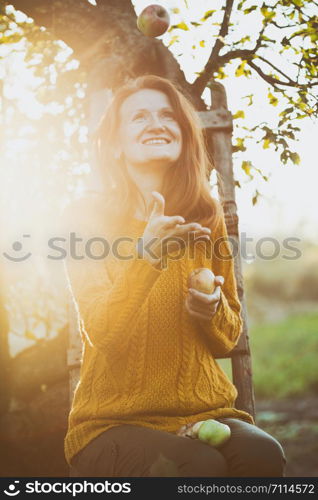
x=223, y=330
x=108, y=304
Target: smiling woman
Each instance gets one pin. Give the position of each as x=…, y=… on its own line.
x=147, y=110
x=148, y=366
x=149, y=132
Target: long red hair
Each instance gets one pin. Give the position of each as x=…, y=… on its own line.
x=186, y=187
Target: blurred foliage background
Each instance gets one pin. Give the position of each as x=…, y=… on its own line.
x=282, y=298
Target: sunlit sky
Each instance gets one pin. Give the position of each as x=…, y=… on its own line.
x=289, y=199
x=289, y=202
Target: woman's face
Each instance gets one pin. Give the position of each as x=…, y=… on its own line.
x=148, y=131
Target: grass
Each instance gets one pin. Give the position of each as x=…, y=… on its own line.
x=284, y=357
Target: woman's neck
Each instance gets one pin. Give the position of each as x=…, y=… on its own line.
x=147, y=180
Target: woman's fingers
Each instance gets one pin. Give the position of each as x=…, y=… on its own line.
x=192, y=227
x=219, y=280
x=199, y=308
x=205, y=314
x=182, y=233
x=205, y=298
x=173, y=221
x=159, y=204
x=170, y=231
x=203, y=305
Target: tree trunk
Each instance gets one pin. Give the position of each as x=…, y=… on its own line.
x=106, y=40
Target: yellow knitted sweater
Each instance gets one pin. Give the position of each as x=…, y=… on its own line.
x=145, y=360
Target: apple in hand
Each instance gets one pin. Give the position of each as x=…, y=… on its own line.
x=153, y=20
x=202, y=279
x=212, y=432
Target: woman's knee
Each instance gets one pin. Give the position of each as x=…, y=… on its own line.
x=252, y=452
x=263, y=457
x=275, y=460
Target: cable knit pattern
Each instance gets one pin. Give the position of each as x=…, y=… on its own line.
x=145, y=360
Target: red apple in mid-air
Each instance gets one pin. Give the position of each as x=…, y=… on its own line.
x=202, y=279
x=153, y=21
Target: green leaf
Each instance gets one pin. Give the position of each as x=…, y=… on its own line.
x=180, y=26
x=266, y=143
x=239, y=114
x=260, y=172
x=250, y=99
x=286, y=111
x=272, y=99
x=289, y=134
x=183, y=26
x=173, y=40
x=266, y=39
x=302, y=106
x=11, y=38
x=208, y=14
x=244, y=39
x=220, y=74
x=295, y=158
x=250, y=9
x=240, y=69
x=255, y=198
x=268, y=14
x=239, y=146
x=246, y=166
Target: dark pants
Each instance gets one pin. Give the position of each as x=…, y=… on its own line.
x=135, y=451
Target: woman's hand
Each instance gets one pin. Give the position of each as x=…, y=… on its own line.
x=162, y=228
x=204, y=305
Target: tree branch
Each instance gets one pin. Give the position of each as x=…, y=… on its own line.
x=249, y=55
x=277, y=69
x=301, y=12
x=200, y=83
x=106, y=41
x=60, y=19
x=283, y=27
x=216, y=61
x=273, y=81
x=243, y=54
